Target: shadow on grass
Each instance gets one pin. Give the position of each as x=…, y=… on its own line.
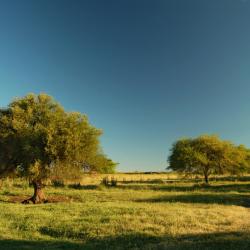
x=204, y=198
x=63, y=233
x=230, y=178
x=235, y=187
x=83, y=187
x=213, y=241
x=154, y=181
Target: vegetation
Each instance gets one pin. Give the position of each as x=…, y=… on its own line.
x=39, y=139
x=208, y=155
x=91, y=207
x=145, y=214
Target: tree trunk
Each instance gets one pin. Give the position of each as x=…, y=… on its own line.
x=206, y=173
x=38, y=196
x=206, y=178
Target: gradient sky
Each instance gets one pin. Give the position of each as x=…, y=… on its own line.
x=146, y=72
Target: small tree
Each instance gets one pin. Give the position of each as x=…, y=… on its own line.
x=38, y=136
x=207, y=155
x=102, y=164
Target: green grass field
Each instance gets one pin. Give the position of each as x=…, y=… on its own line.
x=143, y=214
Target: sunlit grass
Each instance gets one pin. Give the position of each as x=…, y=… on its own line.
x=129, y=216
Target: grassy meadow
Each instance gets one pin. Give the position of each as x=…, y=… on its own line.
x=144, y=211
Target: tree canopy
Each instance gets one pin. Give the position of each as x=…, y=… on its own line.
x=37, y=135
x=208, y=155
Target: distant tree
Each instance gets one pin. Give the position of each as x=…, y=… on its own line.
x=37, y=136
x=208, y=155
x=102, y=164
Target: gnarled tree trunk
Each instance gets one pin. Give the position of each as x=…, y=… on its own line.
x=38, y=196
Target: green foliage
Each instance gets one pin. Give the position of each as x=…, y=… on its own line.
x=102, y=164
x=38, y=137
x=208, y=155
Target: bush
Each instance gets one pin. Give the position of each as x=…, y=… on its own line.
x=58, y=183
x=105, y=181
x=113, y=182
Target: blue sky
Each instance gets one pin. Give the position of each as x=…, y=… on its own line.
x=146, y=72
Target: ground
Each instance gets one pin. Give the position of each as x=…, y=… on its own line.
x=147, y=214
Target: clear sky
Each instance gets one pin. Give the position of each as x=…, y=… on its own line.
x=146, y=72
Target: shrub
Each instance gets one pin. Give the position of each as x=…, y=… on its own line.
x=113, y=182
x=58, y=183
x=105, y=181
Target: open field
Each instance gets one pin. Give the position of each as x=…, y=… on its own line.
x=144, y=213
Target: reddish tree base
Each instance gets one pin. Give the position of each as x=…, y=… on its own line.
x=52, y=199
x=38, y=196
x=33, y=200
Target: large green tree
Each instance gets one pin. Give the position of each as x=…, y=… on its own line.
x=208, y=155
x=37, y=136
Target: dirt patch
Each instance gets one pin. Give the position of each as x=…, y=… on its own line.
x=59, y=198
x=51, y=199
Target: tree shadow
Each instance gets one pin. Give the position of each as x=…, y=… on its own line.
x=235, y=187
x=83, y=187
x=153, y=181
x=8, y=244
x=213, y=241
x=230, y=178
x=51, y=199
x=204, y=198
